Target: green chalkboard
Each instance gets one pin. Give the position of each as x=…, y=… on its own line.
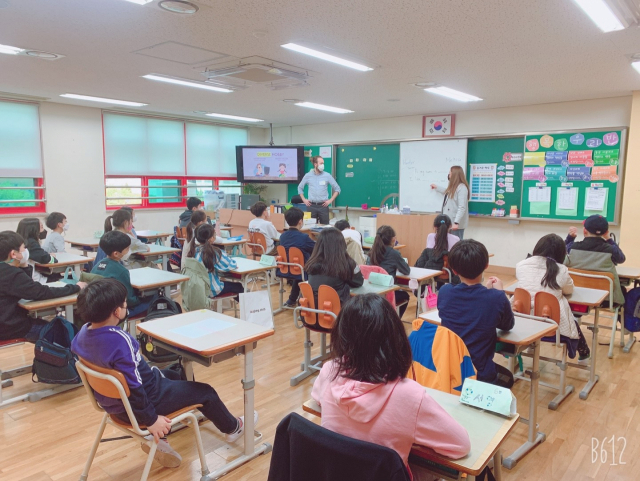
x=366, y=174
x=313, y=151
x=570, y=176
x=506, y=190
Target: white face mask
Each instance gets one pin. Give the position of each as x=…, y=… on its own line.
x=135, y=219
x=65, y=227
x=25, y=258
x=321, y=167
x=126, y=256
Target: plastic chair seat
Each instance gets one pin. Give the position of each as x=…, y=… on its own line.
x=174, y=414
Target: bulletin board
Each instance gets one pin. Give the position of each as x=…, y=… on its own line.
x=572, y=175
x=324, y=151
x=366, y=174
x=494, y=173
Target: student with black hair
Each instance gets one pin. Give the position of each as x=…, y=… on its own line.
x=16, y=284
x=153, y=393
x=438, y=245
x=348, y=233
x=294, y=238
x=474, y=310
x=198, y=218
x=330, y=265
x=32, y=231
x=263, y=225
x=116, y=246
x=58, y=224
x=365, y=393
x=382, y=254
x=122, y=221
x=193, y=204
x=545, y=271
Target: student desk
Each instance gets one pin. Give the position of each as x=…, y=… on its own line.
x=422, y=276
x=487, y=432
x=525, y=333
x=309, y=230
x=85, y=244
x=208, y=337
x=64, y=260
x=592, y=298
x=150, y=281
x=629, y=274
x=247, y=267
x=228, y=244
x=368, y=288
x=366, y=247
x=154, y=236
x=156, y=252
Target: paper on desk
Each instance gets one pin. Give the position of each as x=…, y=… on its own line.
x=489, y=397
x=202, y=328
x=595, y=199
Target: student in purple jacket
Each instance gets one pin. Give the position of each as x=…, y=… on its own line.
x=153, y=393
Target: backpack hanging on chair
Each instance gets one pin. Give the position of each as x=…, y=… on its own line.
x=160, y=307
x=53, y=362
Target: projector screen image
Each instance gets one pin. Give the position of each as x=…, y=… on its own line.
x=269, y=164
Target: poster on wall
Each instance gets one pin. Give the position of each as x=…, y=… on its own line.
x=483, y=182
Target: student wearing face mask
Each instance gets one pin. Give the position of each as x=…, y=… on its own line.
x=122, y=221
x=32, y=231
x=456, y=200
x=117, y=248
x=318, y=200
x=58, y=224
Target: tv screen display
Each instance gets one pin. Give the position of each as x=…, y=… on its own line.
x=269, y=164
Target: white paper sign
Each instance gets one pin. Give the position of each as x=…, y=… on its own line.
x=595, y=199
x=325, y=152
x=255, y=307
x=567, y=198
x=489, y=397
x=539, y=194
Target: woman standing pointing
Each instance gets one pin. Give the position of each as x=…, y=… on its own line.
x=456, y=200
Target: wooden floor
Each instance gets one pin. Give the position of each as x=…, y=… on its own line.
x=50, y=439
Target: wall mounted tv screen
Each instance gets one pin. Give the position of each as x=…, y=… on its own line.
x=267, y=164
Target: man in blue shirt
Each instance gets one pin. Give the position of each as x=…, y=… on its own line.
x=318, y=181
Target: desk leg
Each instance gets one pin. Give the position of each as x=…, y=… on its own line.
x=497, y=465
x=188, y=369
x=78, y=270
x=250, y=450
x=68, y=310
x=165, y=259
x=534, y=438
x=593, y=377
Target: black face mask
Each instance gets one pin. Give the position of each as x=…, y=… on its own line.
x=42, y=235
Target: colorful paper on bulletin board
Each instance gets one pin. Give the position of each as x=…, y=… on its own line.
x=534, y=158
x=533, y=173
x=580, y=156
x=555, y=172
x=567, y=202
x=482, y=181
x=606, y=157
x=556, y=158
x=607, y=172
x=579, y=173
x=605, y=202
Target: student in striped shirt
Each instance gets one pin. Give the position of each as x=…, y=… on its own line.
x=215, y=260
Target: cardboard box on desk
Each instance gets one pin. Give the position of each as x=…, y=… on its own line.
x=488, y=397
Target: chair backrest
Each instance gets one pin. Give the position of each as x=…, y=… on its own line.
x=328, y=300
x=445, y=276
x=296, y=257
x=603, y=281
x=181, y=232
x=521, y=301
x=546, y=305
x=366, y=270
x=282, y=257
x=257, y=243
x=102, y=384
x=307, y=300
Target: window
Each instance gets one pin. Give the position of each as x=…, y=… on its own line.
x=230, y=186
x=21, y=176
x=156, y=163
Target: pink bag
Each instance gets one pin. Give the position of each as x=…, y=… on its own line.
x=430, y=300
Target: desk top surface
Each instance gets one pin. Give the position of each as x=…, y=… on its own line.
x=153, y=233
x=65, y=259
x=204, y=332
x=156, y=250
x=368, y=288
x=83, y=241
x=149, y=278
x=420, y=274
x=581, y=295
x=524, y=332
x=486, y=431
x=49, y=303
x=627, y=272
x=230, y=242
x=247, y=266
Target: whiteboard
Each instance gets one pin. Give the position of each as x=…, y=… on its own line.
x=423, y=163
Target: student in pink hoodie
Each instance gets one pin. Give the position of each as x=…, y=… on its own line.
x=364, y=391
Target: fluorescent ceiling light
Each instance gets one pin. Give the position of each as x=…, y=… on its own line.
x=336, y=110
x=452, y=94
x=140, y=2
x=103, y=100
x=636, y=65
x=8, y=49
x=186, y=83
x=326, y=56
x=601, y=14
x=235, y=117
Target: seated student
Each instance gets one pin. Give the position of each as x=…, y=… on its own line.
x=263, y=225
x=354, y=242
x=58, y=224
x=474, y=311
x=438, y=246
x=153, y=393
x=193, y=204
x=382, y=254
x=365, y=393
x=597, y=252
x=32, y=231
x=215, y=260
x=348, y=233
x=122, y=221
x=330, y=265
x=545, y=271
x=198, y=218
x=17, y=284
x=134, y=219
x=294, y=238
x=116, y=246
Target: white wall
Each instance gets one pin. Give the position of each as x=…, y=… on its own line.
x=509, y=243
x=74, y=172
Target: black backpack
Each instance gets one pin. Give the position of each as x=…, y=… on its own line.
x=53, y=362
x=160, y=307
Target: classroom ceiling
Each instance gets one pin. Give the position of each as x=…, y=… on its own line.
x=508, y=52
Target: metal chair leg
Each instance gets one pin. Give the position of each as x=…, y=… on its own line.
x=94, y=448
